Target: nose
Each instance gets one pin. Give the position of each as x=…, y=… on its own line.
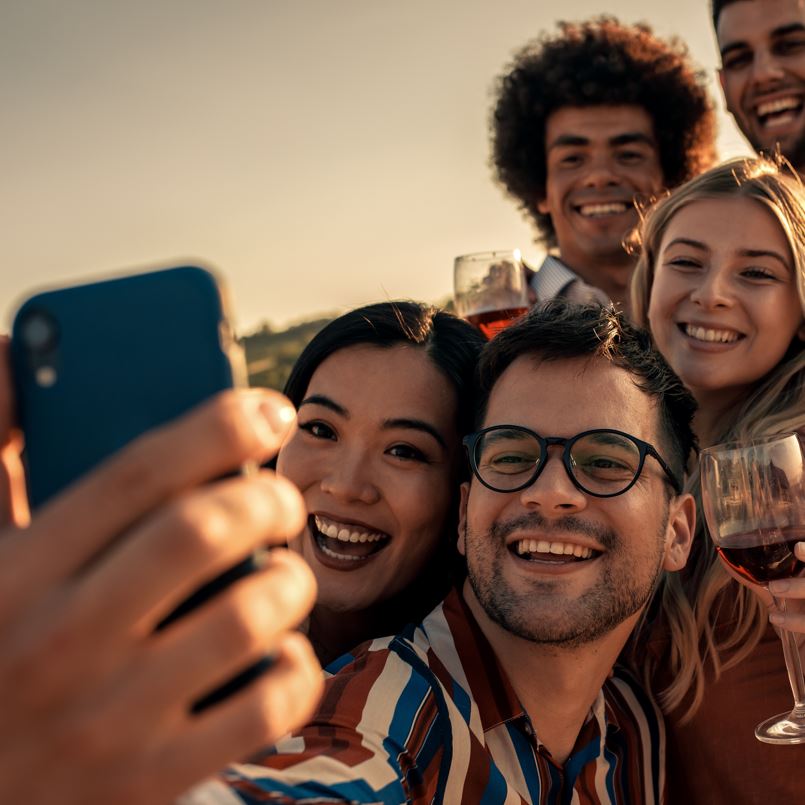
x=601, y=172
x=553, y=494
x=766, y=69
x=350, y=480
x=712, y=291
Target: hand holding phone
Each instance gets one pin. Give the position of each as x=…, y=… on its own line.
x=92, y=693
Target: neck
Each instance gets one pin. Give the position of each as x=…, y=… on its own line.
x=557, y=686
x=714, y=414
x=333, y=632
x=611, y=274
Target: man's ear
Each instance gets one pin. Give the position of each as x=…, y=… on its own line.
x=462, y=517
x=542, y=206
x=679, y=532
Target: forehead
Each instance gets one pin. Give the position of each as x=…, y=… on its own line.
x=565, y=397
x=752, y=21
x=598, y=124
x=711, y=222
x=381, y=383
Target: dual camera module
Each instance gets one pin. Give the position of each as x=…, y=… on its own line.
x=39, y=335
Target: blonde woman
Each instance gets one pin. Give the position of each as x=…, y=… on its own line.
x=720, y=283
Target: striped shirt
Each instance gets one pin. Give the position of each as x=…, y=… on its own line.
x=430, y=716
x=553, y=279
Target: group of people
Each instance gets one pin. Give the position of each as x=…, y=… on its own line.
x=493, y=548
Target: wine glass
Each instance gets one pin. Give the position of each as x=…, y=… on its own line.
x=754, y=504
x=491, y=289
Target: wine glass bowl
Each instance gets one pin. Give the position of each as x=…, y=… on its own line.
x=753, y=494
x=491, y=289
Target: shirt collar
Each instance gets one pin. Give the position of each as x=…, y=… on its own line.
x=553, y=275
x=489, y=684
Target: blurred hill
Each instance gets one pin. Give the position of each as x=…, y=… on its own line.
x=270, y=353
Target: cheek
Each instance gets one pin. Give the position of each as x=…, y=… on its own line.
x=296, y=463
x=422, y=507
x=659, y=319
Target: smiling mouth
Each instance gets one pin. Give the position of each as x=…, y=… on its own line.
x=779, y=112
x=552, y=551
x=602, y=210
x=346, y=542
x=710, y=335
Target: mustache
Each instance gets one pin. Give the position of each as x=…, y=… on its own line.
x=534, y=521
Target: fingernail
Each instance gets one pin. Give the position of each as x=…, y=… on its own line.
x=779, y=586
x=776, y=618
x=279, y=414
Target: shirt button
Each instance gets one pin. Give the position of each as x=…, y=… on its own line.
x=528, y=729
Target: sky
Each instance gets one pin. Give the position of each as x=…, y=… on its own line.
x=320, y=154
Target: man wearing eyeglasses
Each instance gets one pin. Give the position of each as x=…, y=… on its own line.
x=506, y=691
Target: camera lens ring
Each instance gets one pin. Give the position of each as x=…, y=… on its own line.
x=38, y=331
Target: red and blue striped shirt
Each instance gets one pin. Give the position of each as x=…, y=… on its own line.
x=430, y=716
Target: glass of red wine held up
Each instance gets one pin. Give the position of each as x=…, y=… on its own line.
x=754, y=504
x=491, y=289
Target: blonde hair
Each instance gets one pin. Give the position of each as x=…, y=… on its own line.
x=691, y=605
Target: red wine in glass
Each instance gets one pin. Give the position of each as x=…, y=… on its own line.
x=753, y=495
x=491, y=322
x=764, y=555
x=491, y=289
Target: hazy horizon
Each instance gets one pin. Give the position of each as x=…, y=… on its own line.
x=320, y=155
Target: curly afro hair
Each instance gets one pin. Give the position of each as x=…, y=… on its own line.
x=594, y=63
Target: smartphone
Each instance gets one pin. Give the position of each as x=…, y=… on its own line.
x=96, y=365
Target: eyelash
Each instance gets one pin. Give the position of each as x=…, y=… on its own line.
x=684, y=262
x=313, y=426
x=403, y=452
x=414, y=454
x=751, y=273
x=758, y=273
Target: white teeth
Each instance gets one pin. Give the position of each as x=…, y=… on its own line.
x=524, y=546
x=779, y=105
x=345, y=534
x=343, y=557
x=706, y=334
x=612, y=208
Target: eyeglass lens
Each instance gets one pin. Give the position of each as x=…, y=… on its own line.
x=602, y=463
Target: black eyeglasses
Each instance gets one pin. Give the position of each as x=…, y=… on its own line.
x=603, y=463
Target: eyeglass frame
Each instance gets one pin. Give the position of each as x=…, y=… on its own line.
x=470, y=442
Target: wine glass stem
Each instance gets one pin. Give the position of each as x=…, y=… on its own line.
x=793, y=664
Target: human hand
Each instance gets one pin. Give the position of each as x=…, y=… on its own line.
x=13, y=501
x=96, y=704
x=792, y=593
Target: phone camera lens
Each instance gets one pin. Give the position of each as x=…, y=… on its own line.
x=38, y=331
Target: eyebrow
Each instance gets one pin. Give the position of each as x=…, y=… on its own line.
x=783, y=30
x=326, y=402
x=696, y=244
x=626, y=138
x=387, y=424
x=415, y=424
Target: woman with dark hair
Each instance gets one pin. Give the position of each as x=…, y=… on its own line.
x=383, y=395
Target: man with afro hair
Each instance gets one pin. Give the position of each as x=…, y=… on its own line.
x=586, y=123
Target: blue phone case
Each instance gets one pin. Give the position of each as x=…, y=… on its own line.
x=123, y=356
x=96, y=365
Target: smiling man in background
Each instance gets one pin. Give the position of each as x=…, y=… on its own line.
x=762, y=46
x=585, y=123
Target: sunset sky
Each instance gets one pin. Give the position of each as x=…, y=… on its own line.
x=320, y=153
